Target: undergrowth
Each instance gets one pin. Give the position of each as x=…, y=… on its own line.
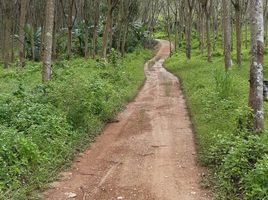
x=218, y=105
x=44, y=126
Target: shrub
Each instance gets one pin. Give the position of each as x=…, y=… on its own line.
x=43, y=126
x=240, y=160
x=256, y=181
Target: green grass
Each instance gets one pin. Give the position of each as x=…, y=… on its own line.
x=218, y=105
x=44, y=126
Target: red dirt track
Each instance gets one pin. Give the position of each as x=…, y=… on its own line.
x=148, y=155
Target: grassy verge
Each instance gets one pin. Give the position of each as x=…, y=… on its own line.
x=238, y=159
x=44, y=126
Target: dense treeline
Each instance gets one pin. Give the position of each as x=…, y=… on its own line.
x=78, y=28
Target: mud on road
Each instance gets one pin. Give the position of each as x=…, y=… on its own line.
x=148, y=155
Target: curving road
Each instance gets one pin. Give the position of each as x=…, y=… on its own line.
x=148, y=155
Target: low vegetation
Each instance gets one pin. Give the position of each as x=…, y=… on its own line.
x=218, y=105
x=43, y=126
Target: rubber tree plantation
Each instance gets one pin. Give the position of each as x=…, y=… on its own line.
x=133, y=99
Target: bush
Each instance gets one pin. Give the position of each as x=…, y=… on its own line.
x=256, y=181
x=43, y=126
x=239, y=161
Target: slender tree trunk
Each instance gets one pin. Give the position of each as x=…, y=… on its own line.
x=111, y=35
x=96, y=22
x=54, y=46
x=227, y=32
x=208, y=38
x=176, y=31
x=13, y=29
x=124, y=39
x=120, y=21
x=86, y=36
x=86, y=31
x=107, y=29
x=70, y=29
x=188, y=35
x=8, y=33
x=202, y=32
x=256, y=67
x=48, y=37
x=238, y=36
x=23, y=12
x=69, y=42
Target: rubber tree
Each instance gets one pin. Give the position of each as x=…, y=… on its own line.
x=190, y=4
x=206, y=7
x=96, y=5
x=108, y=25
x=256, y=66
x=201, y=25
x=239, y=6
x=7, y=44
x=22, y=21
x=227, y=33
x=48, y=40
x=175, y=11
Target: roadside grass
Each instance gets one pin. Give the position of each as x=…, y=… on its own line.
x=218, y=106
x=44, y=126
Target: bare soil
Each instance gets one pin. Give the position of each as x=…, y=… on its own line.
x=149, y=154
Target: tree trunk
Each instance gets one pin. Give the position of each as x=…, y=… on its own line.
x=69, y=42
x=8, y=33
x=208, y=38
x=238, y=35
x=70, y=29
x=23, y=12
x=111, y=35
x=107, y=29
x=227, y=32
x=124, y=39
x=256, y=67
x=96, y=22
x=54, y=45
x=48, y=37
x=188, y=35
x=202, y=32
x=86, y=35
x=86, y=31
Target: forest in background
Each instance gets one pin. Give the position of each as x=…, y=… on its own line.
x=96, y=48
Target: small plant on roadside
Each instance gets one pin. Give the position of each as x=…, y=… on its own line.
x=114, y=58
x=223, y=83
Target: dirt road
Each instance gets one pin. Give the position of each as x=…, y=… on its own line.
x=148, y=155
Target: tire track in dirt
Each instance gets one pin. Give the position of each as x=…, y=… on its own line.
x=149, y=155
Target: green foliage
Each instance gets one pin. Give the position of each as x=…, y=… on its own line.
x=33, y=39
x=43, y=126
x=239, y=161
x=223, y=83
x=113, y=57
x=218, y=104
x=256, y=181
